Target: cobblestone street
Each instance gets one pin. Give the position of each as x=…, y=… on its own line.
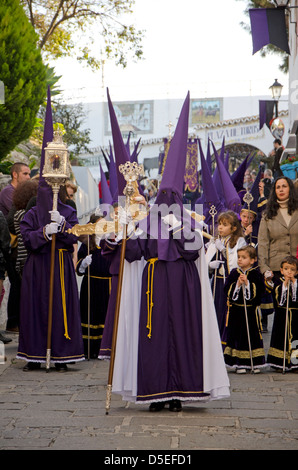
x=60, y=411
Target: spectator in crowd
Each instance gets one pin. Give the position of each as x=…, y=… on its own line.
x=19, y=172
x=276, y=152
x=4, y=258
x=278, y=232
x=71, y=190
x=267, y=182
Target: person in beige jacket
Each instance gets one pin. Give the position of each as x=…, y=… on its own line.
x=278, y=232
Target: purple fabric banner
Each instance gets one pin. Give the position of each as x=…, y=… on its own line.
x=268, y=26
x=266, y=110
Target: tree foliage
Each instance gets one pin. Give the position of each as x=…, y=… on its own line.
x=23, y=74
x=70, y=119
x=61, y=24
x=269, y=49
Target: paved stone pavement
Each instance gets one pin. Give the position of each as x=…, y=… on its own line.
x=60, y=411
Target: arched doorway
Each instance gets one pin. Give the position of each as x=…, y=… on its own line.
x=238, y=151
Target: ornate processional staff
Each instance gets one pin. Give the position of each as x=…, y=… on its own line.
x=248, y=198
x=213, y=213
x=286, y=330
x=55, y=172
x=247, y=329
x=131, y=173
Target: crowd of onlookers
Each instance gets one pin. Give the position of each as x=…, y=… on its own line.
x=273, y=252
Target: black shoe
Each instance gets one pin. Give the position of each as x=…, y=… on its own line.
x=4, y=339
x=31, y=366
x=61, y=367
x=158, y=406
x=175, y=405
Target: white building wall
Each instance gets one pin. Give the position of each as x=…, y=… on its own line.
x=293, y=63
x=238, y=110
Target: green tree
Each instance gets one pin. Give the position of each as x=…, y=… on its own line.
x=61, y=24
x=269, y=49
x=70, y=118
x=23, y=74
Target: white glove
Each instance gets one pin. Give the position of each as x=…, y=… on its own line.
x=138, y=232
x=56, y=217
x=171, y=220
x=124, y=217
x=215, y=264
x=219, y=245
x=86, y=261
x=51, y=228
x=268, y=274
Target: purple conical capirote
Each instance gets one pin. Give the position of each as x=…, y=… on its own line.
x=231, y=197
x=170, y=192
x=44, y=200
x=120, y=150
x=106, y=197
x=173, y=174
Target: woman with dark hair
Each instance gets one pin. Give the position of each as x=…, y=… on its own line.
x=278, y=232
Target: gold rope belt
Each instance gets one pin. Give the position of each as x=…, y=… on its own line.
x=107, y=277
x=151, y=264
x=62, y=282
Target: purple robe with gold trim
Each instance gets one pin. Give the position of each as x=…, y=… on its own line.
x=67, y=342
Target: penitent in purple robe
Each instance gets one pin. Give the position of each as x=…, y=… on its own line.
x=170, y=361
x=67, y=342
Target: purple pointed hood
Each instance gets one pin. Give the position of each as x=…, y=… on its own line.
x=238, y=175
x=208, y=157
x=135, y=152
x=232, y=199
x=173, y=175
x=113, y=176
x=106, y=159
x=120, y=150
x=106, y=197
x=170, y=192
x=210, y=196
x=44, y=200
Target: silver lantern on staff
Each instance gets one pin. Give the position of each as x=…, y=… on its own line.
x=56, y=168
x=56, y=171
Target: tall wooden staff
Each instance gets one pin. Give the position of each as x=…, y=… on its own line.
x=88, y=279
x=131, y=172
x=286, y=330
x=55, y=173
x=247, y=329
x=213, y=213
x=248, y=198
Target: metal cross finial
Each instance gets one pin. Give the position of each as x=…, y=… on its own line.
x=213, y=212
x=170, y=125
x=248, y=198
x=131, y=172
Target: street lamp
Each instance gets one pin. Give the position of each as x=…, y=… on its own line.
x=276, y=93
x=282, y=3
